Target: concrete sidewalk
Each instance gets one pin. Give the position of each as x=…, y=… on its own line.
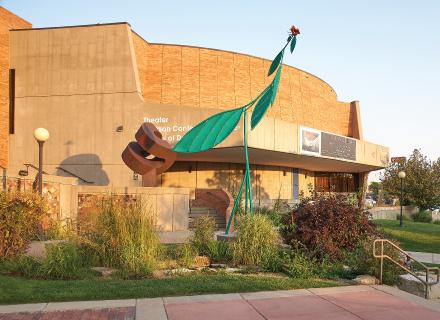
x=350, y=302
x=425, y=257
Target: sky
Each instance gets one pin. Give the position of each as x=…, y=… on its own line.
x=384, y=53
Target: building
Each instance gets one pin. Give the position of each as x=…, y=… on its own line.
x=92, y=86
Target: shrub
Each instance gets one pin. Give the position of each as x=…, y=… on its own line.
x=256, y=242
x=186, y=255
x=275, y=214
x=423, y=216
x=21, y=217
x=328, y=225
x=436, y=222
x=299, y=265
x=63, y=261
x=204, y=230
x=123, y=235
x=21, y=265
x=219, y=251
x=361, y=261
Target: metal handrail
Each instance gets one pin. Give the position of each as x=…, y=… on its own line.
x=383, y=256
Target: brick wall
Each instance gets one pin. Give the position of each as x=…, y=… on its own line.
x=8, y=21
x=208, y=78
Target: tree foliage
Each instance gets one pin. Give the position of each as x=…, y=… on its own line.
x=327, y=225
x=421, y=185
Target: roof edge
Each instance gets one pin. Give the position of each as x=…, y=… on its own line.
x=75, y=26
x=234, y=52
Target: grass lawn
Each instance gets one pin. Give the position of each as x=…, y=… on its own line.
x=20, y=290
x=414, y=236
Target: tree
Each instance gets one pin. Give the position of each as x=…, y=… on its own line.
x=422, y=182
x=374, y=188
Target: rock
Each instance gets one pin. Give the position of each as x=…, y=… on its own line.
x=158, y=274
x=104, y=272
x=409, y=283
x=366, y=279
x=218, y=265
x=201, y=262
x=37, y=249
x=178, y=271
x=226, y=237
x=233, y=270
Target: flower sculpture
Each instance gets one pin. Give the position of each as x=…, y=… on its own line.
x=212, y=131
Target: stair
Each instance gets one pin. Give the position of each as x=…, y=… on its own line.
x=196, y=212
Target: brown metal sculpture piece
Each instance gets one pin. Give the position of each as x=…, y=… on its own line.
x=149, y=155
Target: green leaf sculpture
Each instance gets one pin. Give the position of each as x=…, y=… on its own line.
x=276, y=62
x=292, y=44
x=217, y=128
x=209, y=132
x=266, y=100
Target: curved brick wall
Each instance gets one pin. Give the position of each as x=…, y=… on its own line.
x=191, y=76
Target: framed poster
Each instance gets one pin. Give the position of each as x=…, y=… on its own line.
x=310, y=141
x=336, y=146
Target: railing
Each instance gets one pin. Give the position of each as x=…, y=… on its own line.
x=27, y=165
x=408, y=257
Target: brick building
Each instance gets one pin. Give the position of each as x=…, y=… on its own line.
x=92, y=86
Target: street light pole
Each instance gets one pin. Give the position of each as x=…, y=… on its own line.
x=41, y=135
x=40, y=167
x=402, y=176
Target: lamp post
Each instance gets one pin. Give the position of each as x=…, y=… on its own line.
x=402, y=176
x=41, y=135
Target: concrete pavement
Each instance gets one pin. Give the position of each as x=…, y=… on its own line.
x=350, y=302
x=425, y=257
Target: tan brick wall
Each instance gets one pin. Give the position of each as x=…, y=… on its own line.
x=7, y=21
x=190, y=76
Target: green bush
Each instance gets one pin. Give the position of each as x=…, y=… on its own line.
x=256, y=242
x=204, y=230
x=186, y=255
x=122, y=234
x=361, y=261
x=219, y=251
x=275, y=214
x=423, y=216
x=21, y=219
x=63, y=261
x=299, y=265
x=21, y=265
x=436, y=222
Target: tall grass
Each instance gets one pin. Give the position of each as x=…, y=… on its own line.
x=123, y=235
x=204, y=230
x=257, y=241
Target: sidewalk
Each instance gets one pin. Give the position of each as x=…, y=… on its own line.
x=342, y=303
x=425, y=257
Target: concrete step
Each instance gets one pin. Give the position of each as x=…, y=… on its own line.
x=197, y=212
x=409, y=283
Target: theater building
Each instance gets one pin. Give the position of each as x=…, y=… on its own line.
x=92, y=86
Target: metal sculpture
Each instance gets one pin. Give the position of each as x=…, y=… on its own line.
x=218, y=127
x=149, y=143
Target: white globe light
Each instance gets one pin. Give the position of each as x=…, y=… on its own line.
x=402, y=174
x=41, y=134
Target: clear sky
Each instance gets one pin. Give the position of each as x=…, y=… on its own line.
x=384, y=53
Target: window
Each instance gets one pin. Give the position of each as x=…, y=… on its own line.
x=336, y=182
x=11, y=101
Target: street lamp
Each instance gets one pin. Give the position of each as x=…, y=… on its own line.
x=402, y=176
x=41, y=135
